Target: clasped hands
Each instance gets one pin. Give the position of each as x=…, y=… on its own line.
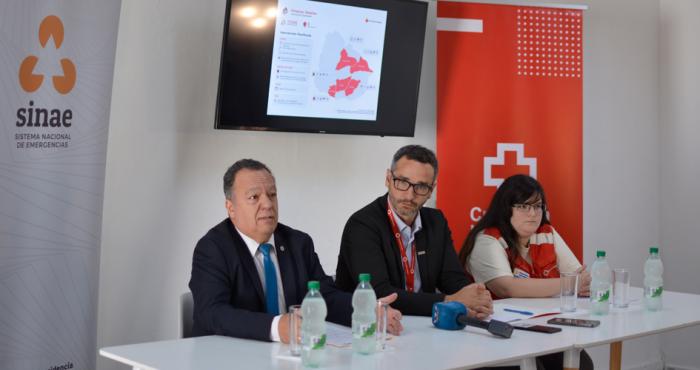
x=584, y=282
x=477, y=299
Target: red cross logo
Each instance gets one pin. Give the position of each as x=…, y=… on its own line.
x=509, y=160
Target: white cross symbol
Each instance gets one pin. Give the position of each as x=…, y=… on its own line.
x=500, y=159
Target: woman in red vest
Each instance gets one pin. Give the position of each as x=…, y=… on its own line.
x=516, y=252
x=514, y=249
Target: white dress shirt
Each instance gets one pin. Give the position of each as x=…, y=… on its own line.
x=254, y=248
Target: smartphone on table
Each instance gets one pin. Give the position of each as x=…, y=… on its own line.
x=574, y=322
x=534, y=327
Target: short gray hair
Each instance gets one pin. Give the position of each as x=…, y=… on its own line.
x=417, y=153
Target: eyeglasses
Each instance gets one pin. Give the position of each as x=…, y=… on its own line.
x=403, y=185
x=526, y=208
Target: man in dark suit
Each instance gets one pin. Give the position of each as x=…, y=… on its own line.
x=406, y=247
x=247, y=269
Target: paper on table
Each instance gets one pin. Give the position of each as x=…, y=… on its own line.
x=284, y=354
x=506, y=312
x=338, y=335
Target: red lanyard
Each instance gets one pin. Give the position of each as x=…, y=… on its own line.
x=408, y=269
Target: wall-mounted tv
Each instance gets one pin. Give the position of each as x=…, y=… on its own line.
x=331, y=66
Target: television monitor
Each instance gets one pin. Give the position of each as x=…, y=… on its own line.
x=331, y=66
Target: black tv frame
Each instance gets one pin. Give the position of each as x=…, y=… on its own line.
x=396, y=116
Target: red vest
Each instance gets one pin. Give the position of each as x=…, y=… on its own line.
x=541, y=252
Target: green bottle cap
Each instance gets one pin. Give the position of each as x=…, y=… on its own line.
x=600, y=253
x=365, y=277
x=313, y=285
x=654, y=250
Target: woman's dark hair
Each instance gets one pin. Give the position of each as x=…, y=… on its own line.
x=517, y=189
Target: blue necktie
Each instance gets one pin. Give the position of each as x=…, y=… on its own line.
x=270, y=280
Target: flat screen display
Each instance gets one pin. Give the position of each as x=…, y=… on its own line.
x=336, y=66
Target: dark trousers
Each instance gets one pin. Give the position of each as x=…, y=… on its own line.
x=554, y=361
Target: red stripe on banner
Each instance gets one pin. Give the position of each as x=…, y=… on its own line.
x=514, y=88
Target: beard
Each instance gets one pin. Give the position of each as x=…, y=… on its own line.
x=406, y=209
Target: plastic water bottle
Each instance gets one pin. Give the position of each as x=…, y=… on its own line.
x=313, y=326
x=600, y=285
x=653, y=280
x=364, y=318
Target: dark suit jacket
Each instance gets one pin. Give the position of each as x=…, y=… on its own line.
x=369, y=246
x=227, y=291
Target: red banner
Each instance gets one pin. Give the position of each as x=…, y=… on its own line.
x=509, y=100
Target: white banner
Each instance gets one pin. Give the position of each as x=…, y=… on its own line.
x=56, y=68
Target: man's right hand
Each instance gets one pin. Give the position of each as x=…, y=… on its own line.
x=476, y=298
x=284, y=330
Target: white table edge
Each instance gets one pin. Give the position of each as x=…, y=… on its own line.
x=633, y=336
x=124, y=360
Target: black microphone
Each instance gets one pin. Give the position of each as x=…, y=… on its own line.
x=495, y=327
x=453, y=316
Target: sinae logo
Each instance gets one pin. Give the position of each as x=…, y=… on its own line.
x=51, y=28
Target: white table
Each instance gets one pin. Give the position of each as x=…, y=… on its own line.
x=680, y=310
x=422, y=346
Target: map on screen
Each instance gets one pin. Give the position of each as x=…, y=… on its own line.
x=326, y=61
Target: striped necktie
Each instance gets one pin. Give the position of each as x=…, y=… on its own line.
x=270, y=280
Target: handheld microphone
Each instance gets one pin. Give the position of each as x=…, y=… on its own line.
x=453, y=316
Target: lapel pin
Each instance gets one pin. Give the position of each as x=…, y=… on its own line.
x=420, y=253
x=282, y=248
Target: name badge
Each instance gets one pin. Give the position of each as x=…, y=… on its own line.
x=520, y=274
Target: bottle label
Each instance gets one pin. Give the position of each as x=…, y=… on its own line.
x=601, y=295
x=368, y=330
x=653, y=291
x=318, y=342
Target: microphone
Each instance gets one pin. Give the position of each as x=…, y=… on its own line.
x=453, y=316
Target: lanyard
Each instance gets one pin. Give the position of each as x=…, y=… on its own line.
x=408, y=269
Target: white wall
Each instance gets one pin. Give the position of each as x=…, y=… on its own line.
x=679, y=132
x=165, y=160
x=620, y=145
x=620, y=164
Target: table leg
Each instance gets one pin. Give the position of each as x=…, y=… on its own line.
x=615, y=355
x=572, y=358
x=528, y=364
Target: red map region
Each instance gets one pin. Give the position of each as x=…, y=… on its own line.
x=354, y=64
x=348, y=85
x=345, y=60
x=360, y=66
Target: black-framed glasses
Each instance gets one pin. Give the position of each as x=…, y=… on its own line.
x=526, y=208
x=403, y=185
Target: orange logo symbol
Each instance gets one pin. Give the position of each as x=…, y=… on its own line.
x=50, y=27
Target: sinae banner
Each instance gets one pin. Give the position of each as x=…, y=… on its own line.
x=56, y=68
x=509, y=101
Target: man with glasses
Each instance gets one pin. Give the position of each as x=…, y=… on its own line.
x=407, y=248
